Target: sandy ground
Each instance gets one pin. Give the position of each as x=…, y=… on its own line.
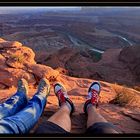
x=126, y=119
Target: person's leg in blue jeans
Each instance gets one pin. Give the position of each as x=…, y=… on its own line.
x=16, y=102
x=24, y=121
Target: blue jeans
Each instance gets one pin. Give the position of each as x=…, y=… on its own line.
x=18, y=115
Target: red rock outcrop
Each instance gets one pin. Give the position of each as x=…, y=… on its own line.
x=18, y=61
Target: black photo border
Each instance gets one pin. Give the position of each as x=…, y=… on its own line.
x=43, y=3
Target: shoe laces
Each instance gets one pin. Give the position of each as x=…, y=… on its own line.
x=94, y=96
x=42, y=87
x=61, y=96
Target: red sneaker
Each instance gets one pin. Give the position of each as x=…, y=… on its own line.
x=93, y=95
x=62, y=96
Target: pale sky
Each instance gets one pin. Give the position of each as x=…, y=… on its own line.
x=13, y=9
x=4, y=10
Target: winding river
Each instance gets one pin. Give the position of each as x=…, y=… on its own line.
x=117, y=35
x=123, y=38
x=78, y=42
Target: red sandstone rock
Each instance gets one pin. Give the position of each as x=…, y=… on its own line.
x=2, y=60
x=18, y=61
x=2, y=40
x=127, y=119
x=10, y=44
x=42, y=71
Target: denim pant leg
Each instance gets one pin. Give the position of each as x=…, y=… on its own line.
x=23, y=121
x=11, y=106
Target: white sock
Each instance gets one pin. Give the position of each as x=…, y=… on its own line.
x=90, y=104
